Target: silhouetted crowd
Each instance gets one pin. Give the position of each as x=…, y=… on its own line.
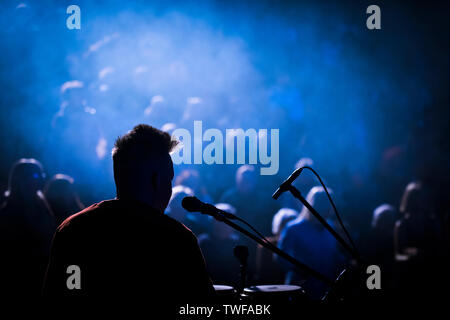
x=409, y=242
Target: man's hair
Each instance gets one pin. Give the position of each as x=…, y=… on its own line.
x=142, y=144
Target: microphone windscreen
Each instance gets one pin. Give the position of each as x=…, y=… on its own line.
x=191, y=204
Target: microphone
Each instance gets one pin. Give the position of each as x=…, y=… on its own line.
x=193, y=204
x=284, y=186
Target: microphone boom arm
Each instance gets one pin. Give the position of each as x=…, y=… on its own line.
x=220, y=217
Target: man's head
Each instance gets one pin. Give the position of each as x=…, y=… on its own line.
x=143, y=169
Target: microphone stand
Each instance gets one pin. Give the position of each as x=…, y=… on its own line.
x=350, y=279
x=274, y=249
x=241, y=253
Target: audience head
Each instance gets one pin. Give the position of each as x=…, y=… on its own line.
x=383, y=218
x=308, y=179
x=246, y=178
x=73, y=94
x=304, y=162
x=318, y=199
x=189, y=178
x=169, y=127
x=26, y=179
x=281, y=219
x=176, y=210
x=143, y=169
x=62, y=197
x=60, y=186
x=413, y=202
x=220, y=229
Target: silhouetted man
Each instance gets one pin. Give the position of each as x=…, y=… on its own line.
x=127, y=247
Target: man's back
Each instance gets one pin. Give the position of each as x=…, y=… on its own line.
x=128, y=250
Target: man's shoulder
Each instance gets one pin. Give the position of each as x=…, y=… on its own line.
x=84, y=215
x=104, y=211
x=177, y=226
